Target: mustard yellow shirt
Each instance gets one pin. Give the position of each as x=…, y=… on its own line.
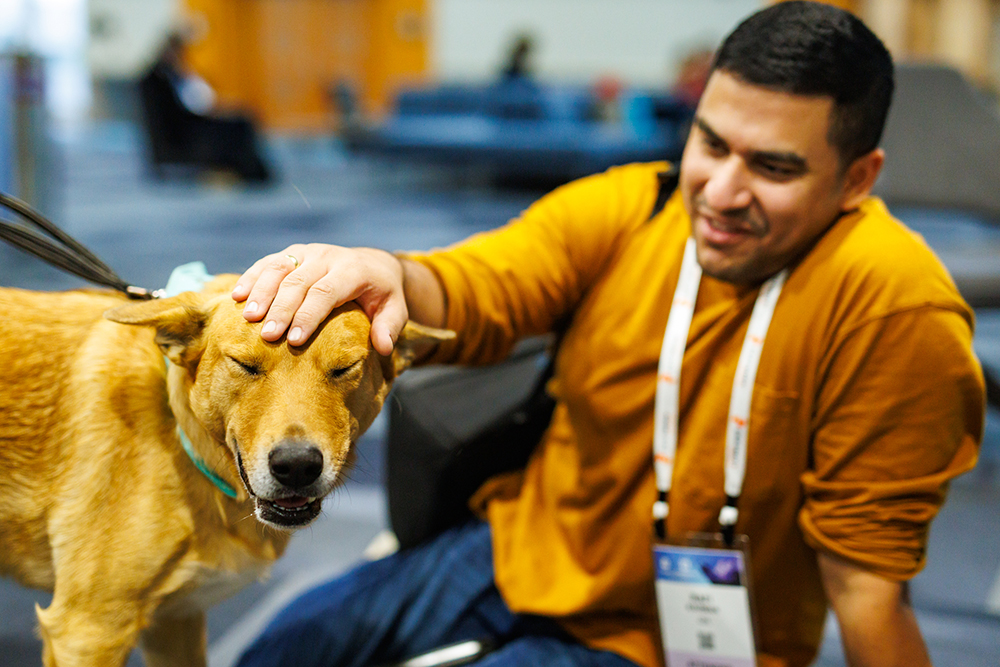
x=867, y=401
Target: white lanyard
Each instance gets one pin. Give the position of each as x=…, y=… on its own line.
x=668, y=383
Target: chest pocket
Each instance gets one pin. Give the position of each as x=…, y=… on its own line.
x=778, y=450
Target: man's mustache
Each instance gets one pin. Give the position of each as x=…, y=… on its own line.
x=747, y=218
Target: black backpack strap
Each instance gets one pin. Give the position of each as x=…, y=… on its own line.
x=992, y=387
x=668, y=183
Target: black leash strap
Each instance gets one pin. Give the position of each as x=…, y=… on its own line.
x=61, y=250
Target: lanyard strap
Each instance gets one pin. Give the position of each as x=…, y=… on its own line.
x=668, y=384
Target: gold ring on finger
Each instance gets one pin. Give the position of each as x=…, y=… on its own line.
x=295, y=261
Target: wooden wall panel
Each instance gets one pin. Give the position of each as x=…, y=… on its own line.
x=965, y=35
x=849, y=5
x=281, y=57
x=961, y=33
x=398, y=50
x=219, y=53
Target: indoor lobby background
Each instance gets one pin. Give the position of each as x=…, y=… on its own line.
x=74, y=142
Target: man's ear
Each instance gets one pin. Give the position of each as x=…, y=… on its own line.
x=179, y=322
x=860, y=177
x=416, y=341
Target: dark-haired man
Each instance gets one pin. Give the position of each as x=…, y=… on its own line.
x=866, y=399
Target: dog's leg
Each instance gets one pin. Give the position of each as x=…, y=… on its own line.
x=107, y=589
x=73, y=637
x=175, y=641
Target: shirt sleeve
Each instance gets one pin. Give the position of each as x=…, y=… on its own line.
x=521, y=279
x=899, y=414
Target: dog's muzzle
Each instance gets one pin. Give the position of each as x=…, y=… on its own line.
x=295, y=498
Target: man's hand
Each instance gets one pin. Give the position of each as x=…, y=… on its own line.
x=296, y=288
x=877, y=625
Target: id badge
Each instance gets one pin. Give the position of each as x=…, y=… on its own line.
x=704, y=602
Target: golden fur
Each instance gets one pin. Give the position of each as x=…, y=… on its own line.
x=98, y=501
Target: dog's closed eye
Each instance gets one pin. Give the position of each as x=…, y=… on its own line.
x=337, y=373
x=251, y=368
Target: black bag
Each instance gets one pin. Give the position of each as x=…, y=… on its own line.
x=452, y=428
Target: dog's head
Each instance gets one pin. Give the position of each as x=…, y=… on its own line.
x=288, y=415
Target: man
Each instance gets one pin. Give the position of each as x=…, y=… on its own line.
x=867, y=400
x=186, y=127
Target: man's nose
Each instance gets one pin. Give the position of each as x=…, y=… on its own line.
x=728, y=186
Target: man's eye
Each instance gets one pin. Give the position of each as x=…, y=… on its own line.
x=777, y=171
x=250, y=368
x=714, y=146
x=337, y=373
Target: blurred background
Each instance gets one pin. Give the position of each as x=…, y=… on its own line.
x=164, y=131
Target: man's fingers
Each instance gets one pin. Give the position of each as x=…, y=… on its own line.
x=387, y=323
x=291, y=296
x=319, y=300
x=245, y=282
x=294, y=290
x=260, y=284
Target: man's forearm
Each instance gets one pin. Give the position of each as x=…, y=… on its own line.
x=425, y=299
x=877, y=624
x=884, y=638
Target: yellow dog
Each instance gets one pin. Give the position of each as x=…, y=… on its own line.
x=99, y=501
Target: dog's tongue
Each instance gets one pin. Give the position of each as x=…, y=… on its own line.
x=292, y=503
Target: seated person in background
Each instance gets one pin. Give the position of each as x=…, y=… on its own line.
x=178, y=106
x=193, y=91
x=518, y=65
x=866, y=401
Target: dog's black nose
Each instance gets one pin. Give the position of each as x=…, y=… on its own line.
x=295, y=466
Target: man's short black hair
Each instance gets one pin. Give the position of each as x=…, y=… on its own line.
x=809, y=48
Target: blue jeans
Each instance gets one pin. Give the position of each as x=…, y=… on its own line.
x=411, y=602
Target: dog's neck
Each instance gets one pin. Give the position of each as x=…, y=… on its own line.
x=199, y=463
x=262, y=544
x=200, y=446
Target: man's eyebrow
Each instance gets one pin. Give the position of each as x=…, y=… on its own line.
x=789, y=159
x=707, y=129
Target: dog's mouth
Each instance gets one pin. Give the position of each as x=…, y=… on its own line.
x=286, y=512
x=289, y=512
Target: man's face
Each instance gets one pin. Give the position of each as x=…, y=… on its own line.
x=759, y=178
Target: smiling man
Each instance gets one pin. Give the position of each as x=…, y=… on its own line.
x=867, y=398
x=761, y=181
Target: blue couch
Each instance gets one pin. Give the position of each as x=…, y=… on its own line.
x=525, y=130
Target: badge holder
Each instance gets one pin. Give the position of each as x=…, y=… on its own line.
x=704, y=600
x=702, y=584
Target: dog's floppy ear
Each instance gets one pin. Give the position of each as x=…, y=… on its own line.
x=415, y=340
x=178, y=320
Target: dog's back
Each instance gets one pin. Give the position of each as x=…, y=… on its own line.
x=41, y=335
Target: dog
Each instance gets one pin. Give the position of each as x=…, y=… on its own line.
x=101, y=502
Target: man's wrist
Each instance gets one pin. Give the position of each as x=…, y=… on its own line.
x=425, y=297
